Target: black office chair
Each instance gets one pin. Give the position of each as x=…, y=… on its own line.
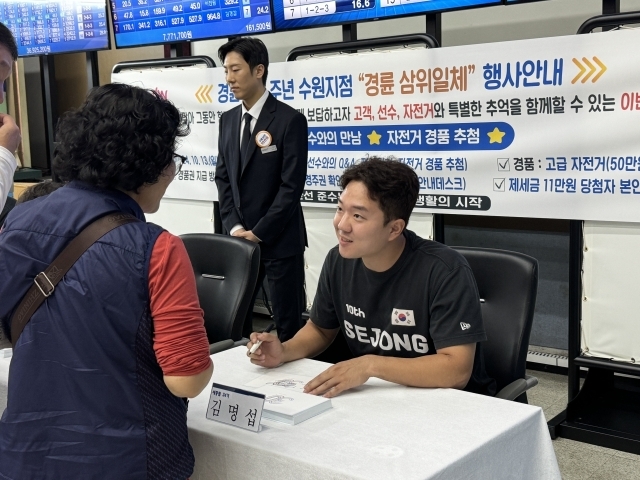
x=508, y=285
x=226, y=270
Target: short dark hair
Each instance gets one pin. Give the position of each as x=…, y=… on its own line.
x=121, y=137
x=392, y=184
x=38, y=190
x=252, y=50
x=8, y=40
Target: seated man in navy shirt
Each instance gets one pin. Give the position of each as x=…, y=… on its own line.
x=408, y=307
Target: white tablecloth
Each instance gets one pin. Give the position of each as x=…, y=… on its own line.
x=377, y=431
x=4, y=377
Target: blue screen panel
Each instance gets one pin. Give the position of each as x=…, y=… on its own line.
x=148, y=22
x=43, y=27
x=295, y=14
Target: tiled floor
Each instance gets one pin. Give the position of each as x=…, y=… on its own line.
x=580, y=461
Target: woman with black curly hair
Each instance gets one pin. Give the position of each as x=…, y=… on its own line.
x=98, y=375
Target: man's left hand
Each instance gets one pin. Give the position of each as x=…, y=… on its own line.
x=342, y=376
x=248, y=235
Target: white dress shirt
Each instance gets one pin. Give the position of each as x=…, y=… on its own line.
x=8, y=165
x=255, y=113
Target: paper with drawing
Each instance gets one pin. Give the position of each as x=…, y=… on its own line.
x=282, y=380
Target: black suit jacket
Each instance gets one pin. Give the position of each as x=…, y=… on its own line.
x=263, y=194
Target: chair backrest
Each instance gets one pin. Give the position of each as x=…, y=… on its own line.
x=226, y=270
x=508, y=285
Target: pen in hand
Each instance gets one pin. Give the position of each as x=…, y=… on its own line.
x=259, y=342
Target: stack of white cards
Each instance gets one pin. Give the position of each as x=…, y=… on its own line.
x=285, y=401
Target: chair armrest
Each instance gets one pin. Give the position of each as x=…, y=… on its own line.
x=220, y=346
x=241, y=343
x=517, y=388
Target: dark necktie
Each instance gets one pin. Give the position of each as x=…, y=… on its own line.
x=246, y=136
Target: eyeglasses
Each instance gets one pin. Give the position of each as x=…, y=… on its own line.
x=179, y=161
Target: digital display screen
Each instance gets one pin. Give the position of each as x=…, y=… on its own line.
x=148, y=22
x=44, y=27
x=295, y=14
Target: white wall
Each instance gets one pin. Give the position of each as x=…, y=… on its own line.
x=610, y=302
x=183, y=216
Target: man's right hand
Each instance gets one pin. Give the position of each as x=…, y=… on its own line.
x=9, y=133
x=238, y=232
x=269, y=354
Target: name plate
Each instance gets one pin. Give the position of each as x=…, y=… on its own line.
x=234, y=406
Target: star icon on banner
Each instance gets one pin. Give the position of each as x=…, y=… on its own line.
x=374, y=138
x=496, y=136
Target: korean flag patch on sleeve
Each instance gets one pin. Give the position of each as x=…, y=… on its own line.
x=404, y=318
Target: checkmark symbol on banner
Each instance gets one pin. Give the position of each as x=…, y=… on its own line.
x=498, y=184
x=503, y=165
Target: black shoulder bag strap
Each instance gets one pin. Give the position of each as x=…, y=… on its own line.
x=45, y=282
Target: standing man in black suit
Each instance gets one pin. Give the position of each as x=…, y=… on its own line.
x=260, y=175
